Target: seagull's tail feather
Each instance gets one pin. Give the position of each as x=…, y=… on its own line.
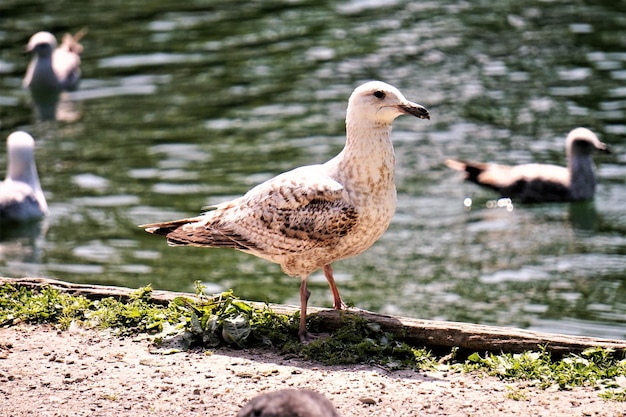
x=456, y=164
x=71, y=42
x=200, y=233
x=472, y=169
x=165, y=227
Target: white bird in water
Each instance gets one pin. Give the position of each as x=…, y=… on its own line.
x=52, y=70
x=21, y=197
x=309, y=217
x=289, y=403
x=542, y=183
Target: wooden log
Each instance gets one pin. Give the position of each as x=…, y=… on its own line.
x=429, y=333
x=93, y=292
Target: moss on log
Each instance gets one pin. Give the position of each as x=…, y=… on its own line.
x=429, y=333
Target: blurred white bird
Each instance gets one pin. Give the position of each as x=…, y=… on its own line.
x=309, y=217
x=541, y=183
x=21, y=197
x=289, y=403
x=52, y=70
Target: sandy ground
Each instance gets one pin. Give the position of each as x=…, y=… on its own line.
x=44, y=372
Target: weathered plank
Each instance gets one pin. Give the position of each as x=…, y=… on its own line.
x=429, y=333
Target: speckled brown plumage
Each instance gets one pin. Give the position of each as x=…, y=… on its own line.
x=307, y=218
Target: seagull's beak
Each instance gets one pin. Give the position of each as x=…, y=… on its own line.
x=602, y=147
x=414, y=109
x=29, y=48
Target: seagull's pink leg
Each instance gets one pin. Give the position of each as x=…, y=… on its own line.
x=303, y=334
x=338, y=303
x=304, y=299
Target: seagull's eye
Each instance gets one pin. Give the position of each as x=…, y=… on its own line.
x=379, y=94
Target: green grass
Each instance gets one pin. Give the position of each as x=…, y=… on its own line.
x=225, y=320
x=593, y=367
x=20, y=304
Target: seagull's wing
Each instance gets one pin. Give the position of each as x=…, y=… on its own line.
x=28, y=78
x=18, y=201
x=536, y=183
x=66, y=65
x=291, y=213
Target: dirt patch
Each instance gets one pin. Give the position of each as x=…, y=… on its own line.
x=44, y=372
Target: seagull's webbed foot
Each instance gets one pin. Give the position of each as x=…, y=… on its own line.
x=307, y=337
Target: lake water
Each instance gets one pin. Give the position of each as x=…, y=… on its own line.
x=184, y=104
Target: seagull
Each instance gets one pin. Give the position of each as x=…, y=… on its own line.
x=542, y=183
x=289, y=403
x=309, y=217
x=21, y=197
x=52, y=70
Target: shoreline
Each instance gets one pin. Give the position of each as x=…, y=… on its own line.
x=81, y=372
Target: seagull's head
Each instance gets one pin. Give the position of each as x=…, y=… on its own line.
x=582, y=141
x=20, y=147
x=381, y=103
x=42, y=43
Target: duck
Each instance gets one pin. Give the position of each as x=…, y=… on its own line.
x=542, y=183
x=307, y=218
